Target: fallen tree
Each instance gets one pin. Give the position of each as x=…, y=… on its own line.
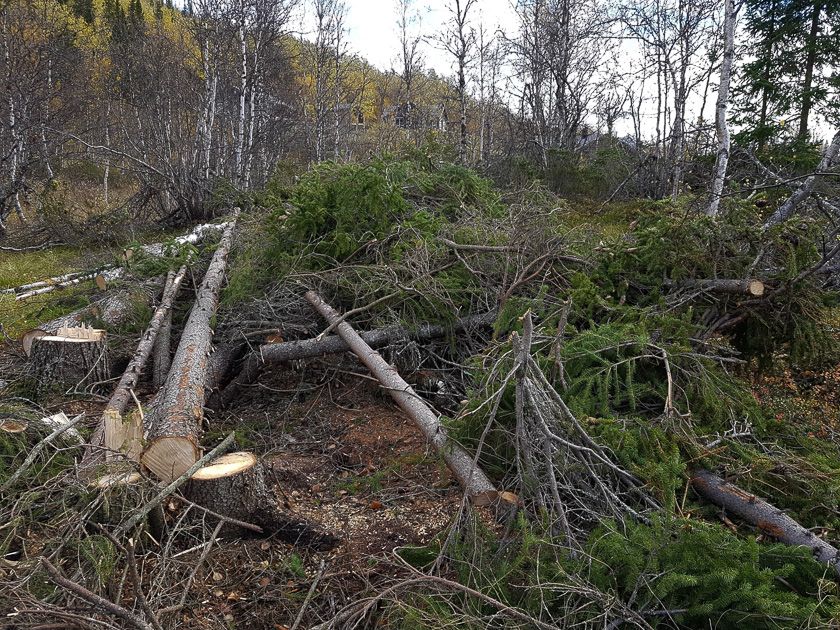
x=173, y=427
x=108, y=273
x=748, y=287
x=463, y=466
x=767, y=518
x=320, y=346
x=113, y=431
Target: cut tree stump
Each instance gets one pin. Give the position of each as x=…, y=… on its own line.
x=71, y=358
x=234, y=485
x=111, y=310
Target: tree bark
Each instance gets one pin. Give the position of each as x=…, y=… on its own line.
x=466, y=471
x=173, y=427
x=320, y=346
x=769, y=519
x=722, y=161
x=162, y=352
x=61, y=362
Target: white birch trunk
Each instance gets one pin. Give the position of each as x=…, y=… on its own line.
x=722, y=161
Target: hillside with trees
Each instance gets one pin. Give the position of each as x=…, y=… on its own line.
x=547, y=340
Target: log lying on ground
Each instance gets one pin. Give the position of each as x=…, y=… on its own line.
x=69, y=359
x=157, y=250
x=468, y=474
x=173, y=427
x=123, y=435
x=162, y=352
x=770, y=520
x=109, y=273
x=234, y=485
x=45, y=283
x=102, y=278
x=320, y=346
x=749, y=287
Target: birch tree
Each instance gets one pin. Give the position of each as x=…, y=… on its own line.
x=458, y=39
x=721, y=124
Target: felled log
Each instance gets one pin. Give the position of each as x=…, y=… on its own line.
x=45, y=283
x=767, y=518
x=749, y=287
x=173, y=427
x=158, y=250
x=334, y=344
x=109, y=273
x=162, y=352
x=234, y=485
x=73, y=357
x=115, y=433
x=102, y=277
x=468, y=474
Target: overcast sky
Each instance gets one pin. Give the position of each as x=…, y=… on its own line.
x=373, y=31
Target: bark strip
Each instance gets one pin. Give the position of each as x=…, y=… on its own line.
x=466, y=471
x=769, y=519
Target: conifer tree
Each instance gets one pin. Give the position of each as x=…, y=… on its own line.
x=794, y=55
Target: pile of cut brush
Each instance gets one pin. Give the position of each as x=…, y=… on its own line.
x=584, y=380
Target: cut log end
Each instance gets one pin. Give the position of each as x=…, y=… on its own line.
x=13, y=426
x=755, y=288
x=226, y=466
x=170, y=457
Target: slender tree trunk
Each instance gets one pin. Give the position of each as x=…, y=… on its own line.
x=808, y=82
x=807, y=187
x=243, y=92
x=470, y=476
x=722, y=106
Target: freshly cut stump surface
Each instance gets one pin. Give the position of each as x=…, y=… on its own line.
x=234, y=485
x=71, y=358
